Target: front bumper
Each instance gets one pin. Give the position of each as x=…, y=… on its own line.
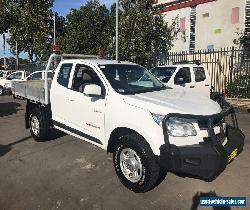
x=207, y=159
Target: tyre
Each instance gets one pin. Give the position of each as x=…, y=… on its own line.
x=1, y=90
x=135, y=163
x=39, y=127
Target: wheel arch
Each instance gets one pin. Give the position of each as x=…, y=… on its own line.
x=117, y=133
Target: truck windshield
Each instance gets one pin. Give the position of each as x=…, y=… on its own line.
x=163, y=73
x=131, y=79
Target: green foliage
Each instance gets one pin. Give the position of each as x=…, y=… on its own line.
x=240, y=87
x=144, y=35
x=108, y=43
x=4, y=16
x=85, y=28
x=30, y=26
x=243, y=40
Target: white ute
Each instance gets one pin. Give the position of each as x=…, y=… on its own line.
x=149, y=128
x=190, y=77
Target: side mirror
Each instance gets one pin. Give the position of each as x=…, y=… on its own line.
x=180, y=81
x=92, y=90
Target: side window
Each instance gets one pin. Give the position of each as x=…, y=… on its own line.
x=183, y=74
x=199, y=74
x=84, y=75
x=18, y=75
x=11, y=76
x=50, y=75
x=36, y=76
x=156, y=72
x=64, y=74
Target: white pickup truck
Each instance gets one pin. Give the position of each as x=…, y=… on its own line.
x=148, y=127
x=190, y=77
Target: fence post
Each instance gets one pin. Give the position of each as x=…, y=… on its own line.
x=231, y=64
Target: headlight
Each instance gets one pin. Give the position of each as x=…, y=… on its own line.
x=158, y=118
x=179, y=127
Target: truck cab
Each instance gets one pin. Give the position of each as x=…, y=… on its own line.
x=189, y=77
x=124, y=109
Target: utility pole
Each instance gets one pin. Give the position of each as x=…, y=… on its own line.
x=54, y=29
x=17, y=58
x=4, y=55
x=117, y=31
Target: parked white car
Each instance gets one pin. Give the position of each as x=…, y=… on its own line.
x=189, y=77
x=149, y=128
x=39, y=75
x=5, y=73
x=6, y=82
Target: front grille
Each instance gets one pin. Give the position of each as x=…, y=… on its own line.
x=203, y=124
x=220, y=137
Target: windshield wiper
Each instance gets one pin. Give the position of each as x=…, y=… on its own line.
x=151, y=90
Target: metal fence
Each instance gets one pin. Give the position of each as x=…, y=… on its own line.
x=229, y=68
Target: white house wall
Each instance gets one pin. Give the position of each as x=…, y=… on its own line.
x=180, y=44
x=215, y=31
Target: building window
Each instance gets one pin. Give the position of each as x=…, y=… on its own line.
x=182, y=24
x=235, y=15
x=210, y=47
x=155, y=1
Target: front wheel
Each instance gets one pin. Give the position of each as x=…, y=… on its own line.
x=135, y=163
x=39, y=127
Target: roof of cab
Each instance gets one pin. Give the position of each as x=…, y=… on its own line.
x=183, y=64
x=97, y=61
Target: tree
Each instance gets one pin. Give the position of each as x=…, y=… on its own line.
x=30, y=26
x=84, y=28
x=143, y=34
x=60, y=31
x=110, y=33
x=5, y=16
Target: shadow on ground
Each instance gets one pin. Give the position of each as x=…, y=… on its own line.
x=9, y=108
x=4, y=149
x=198, y=195
x=55, y=134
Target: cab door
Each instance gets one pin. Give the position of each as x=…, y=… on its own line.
x=183, y=79
x=59, y=96
x=202, y=83
x=87, y=113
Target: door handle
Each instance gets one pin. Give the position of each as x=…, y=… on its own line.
x=206, y=85
x=192, y=86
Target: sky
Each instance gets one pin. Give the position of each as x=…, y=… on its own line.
x=63, y=7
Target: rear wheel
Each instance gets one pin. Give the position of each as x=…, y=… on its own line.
x=39, y=127
x=135, y=163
